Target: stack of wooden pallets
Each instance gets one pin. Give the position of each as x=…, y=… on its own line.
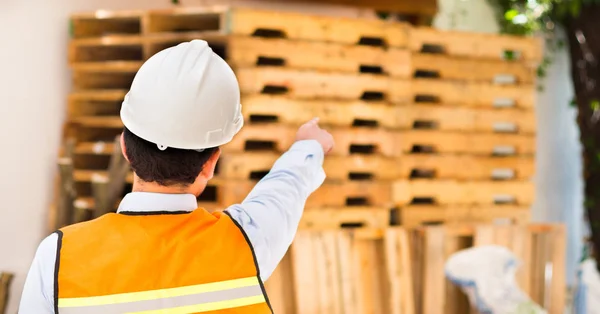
x=469, y=153
x=290, y=67
x=439, y=125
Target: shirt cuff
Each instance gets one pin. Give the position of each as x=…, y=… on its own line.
x=311, y=147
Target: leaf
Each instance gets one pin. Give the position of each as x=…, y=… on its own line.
x=175, y=1
x=573, y=103
x=595, y=104
x=510, y=14
x=575, y=7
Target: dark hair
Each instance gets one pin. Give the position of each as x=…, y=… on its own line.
x=168, y=167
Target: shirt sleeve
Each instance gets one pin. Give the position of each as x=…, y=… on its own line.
x=38, y=293
x=270, y=214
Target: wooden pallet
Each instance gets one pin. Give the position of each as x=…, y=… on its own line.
x=105, y=23
x=280, y=109
x=102, y=80
x=472, y=94
x=466, y=69
x=450, y=192
x=484, y=46
x=343, y=217
x=541, y=248
x=449, y=118
x=454, y=142
x=352, y=194
x=465, y=167
x=418, y=215
x=352, y=272
x=313, y=85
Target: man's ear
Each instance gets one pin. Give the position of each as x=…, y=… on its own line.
x=208, y=171
x=123, y=150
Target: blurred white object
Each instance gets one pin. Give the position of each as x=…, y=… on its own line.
x=587, y=297
x=487, y=275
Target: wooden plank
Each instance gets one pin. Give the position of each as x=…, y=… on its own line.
x=103, y=23
x=347, y=275
x=278, y=109
x=449, y=166
x=83, y=80
x=434, y=299
x=558, y=259
x=485, y=46
x=399, y=270
x=498, y=192
x=367, y=141
x=502, y=144
x=188, y=19
x=298, y=26
x=101, y=51
x=438, y=192
x=472, y=94
x=425, y=7
x=357, y=167
x=334, y=218
x=305, y=277
x=432, y=141
x=254, y=51
x=505, y=120
x=277, y=138
x=467, y=69
x=311, y=84
x=279, y=287
x=352, y=193
x=417, y=215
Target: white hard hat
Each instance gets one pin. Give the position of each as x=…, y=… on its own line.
x=184, y=97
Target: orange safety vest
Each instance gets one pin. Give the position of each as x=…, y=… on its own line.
x=183, y=262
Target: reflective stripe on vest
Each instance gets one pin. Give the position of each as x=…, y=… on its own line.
x=191, y=299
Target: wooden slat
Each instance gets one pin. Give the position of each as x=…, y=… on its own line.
x=475, y=143
x=485, y=46
x=298, y=26
x=399, y=270
x=473, y=94
x=251, y=51
x=102, y=23
x=434, y=299
x=488, y=71
x=334, y=218
x=417, y=215
x=312, y=85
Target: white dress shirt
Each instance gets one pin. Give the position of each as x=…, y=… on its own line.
x=269, y=216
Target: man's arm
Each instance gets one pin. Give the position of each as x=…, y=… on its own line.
x=38, y=293
x=271, y=213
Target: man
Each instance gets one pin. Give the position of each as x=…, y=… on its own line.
x=158, y=253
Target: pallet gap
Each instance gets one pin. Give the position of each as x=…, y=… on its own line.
x=422, y=174
x=369, y=149
x=269, y=33
x=422, y=201
x=433, y=49
x=423, y=149
x=372, y=41
x=373, y=95
x=258, y=175
x=360, y=176
x=351, y=225
x=252, y=145
x=263, y=118
x=270, y=61
x=425, y=125
x=371, y=69
x=365, y=123
x=427, y=99
x=274, y=90
x=427, y=74
x=357, y=201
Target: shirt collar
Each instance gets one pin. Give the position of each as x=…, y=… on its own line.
x=154, y=202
